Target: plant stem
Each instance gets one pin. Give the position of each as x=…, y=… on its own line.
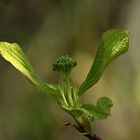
x=89, y=136
x=92, y=137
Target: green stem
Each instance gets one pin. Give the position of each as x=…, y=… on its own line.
x=90, y=136
x=69, y=92
x=66, y=89
x=62, y=91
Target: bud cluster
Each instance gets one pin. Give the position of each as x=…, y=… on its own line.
x=64, y=64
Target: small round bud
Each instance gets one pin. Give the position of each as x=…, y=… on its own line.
x=64, y=64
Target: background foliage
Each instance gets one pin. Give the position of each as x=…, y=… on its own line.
x=50, y=28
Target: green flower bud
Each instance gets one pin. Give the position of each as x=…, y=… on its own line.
x=64, y=64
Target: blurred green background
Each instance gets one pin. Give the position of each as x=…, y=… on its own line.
x=47, y=29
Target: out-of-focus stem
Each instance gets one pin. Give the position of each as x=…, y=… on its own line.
x=92, y=137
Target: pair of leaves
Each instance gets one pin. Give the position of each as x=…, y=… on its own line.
x=113, y=43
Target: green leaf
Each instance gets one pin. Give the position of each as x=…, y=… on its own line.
x=13, y=53
x=104, y=102
x=90, y=110
x=113, y=44
x=86, y=114
x=101, y=111
x=104, y=105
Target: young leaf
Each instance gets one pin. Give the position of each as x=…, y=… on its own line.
x=104, y=102
x=14, y=54
x=104, y=105
x=113, y=44
x=101, y=111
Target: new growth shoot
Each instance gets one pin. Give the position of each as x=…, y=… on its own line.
x=113, y=44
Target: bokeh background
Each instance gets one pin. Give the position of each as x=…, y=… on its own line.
x=47, y=29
